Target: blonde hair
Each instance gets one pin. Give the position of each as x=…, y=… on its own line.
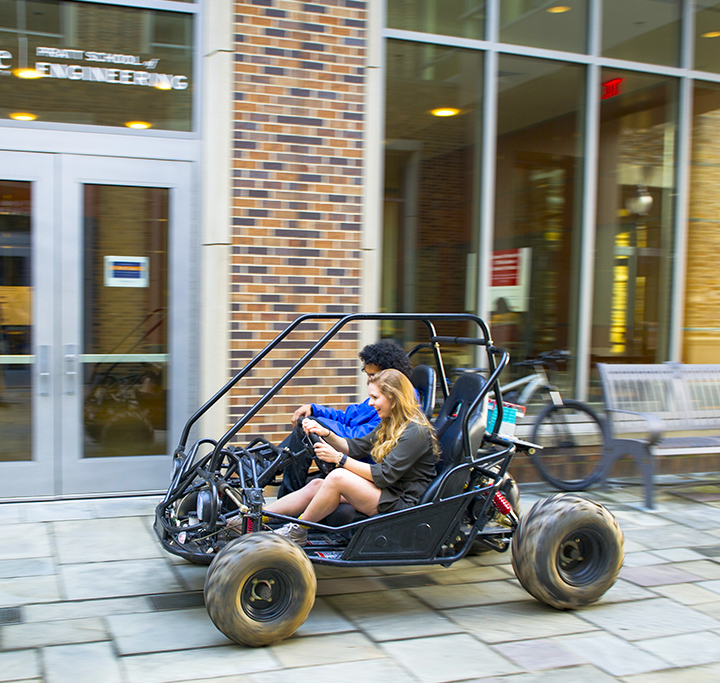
x=404, y=408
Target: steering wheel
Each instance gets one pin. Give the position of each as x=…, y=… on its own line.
x=310, y=440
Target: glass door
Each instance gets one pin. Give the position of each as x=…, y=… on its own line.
x=27, y=420
x=125, y=353
x=95, y=303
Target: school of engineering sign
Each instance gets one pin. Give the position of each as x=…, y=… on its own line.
x=114, y=73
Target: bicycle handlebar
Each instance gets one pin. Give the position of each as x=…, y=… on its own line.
x=546, y=359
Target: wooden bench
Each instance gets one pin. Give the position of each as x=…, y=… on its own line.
x=669, y=408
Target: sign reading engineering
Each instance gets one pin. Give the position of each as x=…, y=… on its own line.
x=76, y=72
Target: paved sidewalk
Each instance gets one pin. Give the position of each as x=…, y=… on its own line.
x=87, y=594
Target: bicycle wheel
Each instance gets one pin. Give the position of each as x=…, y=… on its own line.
x=573, y=439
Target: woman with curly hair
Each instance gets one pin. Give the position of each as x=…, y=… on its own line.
x=404, y=450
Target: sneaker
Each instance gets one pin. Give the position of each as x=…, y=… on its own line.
x=293, y=532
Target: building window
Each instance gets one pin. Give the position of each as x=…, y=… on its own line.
x=707, y=35
x=537, y=206
x=60, y=63
x=635, y=227
x=433, y=127
x=553, y=25
x=463, y=18
x=702, y=298
x=642, y=30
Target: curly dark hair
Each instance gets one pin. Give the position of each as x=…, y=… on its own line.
x=387, y=354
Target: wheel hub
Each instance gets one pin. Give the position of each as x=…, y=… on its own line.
x=265, y=595
x=579, y=559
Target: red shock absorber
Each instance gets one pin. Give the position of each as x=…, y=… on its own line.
x=501, y=503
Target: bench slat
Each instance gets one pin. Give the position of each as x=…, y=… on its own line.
x=685, y=398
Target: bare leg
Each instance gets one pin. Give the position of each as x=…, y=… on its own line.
x=294, y=504
x=339, y=485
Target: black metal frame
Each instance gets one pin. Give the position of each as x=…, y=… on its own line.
x=230, y=479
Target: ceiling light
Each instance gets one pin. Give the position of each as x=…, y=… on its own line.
x=711, y=34
x=27, y=73
x=558, y=9
x=138, y=125
x=445, y=111
x=22, y=116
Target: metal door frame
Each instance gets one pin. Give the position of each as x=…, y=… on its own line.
x=73, y=474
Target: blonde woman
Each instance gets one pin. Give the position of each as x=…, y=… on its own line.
x=404, y=449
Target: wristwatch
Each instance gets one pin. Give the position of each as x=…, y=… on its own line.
x=342, y=461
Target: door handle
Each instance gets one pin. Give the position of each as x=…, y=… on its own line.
x=70, y=361
x=43, y=370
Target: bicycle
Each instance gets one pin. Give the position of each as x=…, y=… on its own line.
x=571, y=435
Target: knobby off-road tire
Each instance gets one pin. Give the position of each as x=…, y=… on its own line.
x=573, y=440
x=567, y=551
x=260, y=589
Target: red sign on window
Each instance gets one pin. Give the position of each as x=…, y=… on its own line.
x=506, y=268
x=611, y=88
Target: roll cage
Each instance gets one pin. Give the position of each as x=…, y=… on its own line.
x=216, y=489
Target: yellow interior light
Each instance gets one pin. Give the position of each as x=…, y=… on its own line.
x=711, y=34
x=558, y=9
x=23, y=116
x=138, y=125
x=163, y=85
x=26, y=73
x=445, y=111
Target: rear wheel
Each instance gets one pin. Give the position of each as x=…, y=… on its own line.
x=567, y=551
x=573, y=440
x=260, y=589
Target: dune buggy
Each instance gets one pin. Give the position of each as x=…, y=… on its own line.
x=260, y=587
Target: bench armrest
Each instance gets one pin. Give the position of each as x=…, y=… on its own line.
x=655, y=424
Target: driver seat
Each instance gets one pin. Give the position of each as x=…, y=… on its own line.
x=423, y=379
x=448, y=426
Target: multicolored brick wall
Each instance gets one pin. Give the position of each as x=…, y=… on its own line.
x=297, y=195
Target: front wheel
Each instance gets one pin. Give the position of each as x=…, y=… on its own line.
x=573, y=440
x=260, y=589
x=567, y=551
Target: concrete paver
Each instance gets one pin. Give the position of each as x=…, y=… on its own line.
x=393, y=615
x=613, y=655
x=85, y=663
x=447, y=658
x=83, y=579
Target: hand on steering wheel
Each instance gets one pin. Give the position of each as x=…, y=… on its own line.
x=311, y=439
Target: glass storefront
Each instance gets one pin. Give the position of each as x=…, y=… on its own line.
x=701, y=338
x=635, y=229
x=537, y=206
x=60, y=62
x=434, y=105
x=547, y=288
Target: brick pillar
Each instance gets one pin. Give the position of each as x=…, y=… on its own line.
x=297, y=186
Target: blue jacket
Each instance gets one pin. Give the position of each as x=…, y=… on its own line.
x=357, y=420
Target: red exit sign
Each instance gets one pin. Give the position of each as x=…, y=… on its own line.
x=611, y=88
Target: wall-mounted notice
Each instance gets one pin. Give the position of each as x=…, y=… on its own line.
x=511, y=278
x=126, y=271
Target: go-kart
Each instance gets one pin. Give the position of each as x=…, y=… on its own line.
x=260, y=587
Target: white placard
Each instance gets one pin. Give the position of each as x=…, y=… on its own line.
x=127, y=271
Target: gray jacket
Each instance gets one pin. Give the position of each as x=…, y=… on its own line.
x=405, y=472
